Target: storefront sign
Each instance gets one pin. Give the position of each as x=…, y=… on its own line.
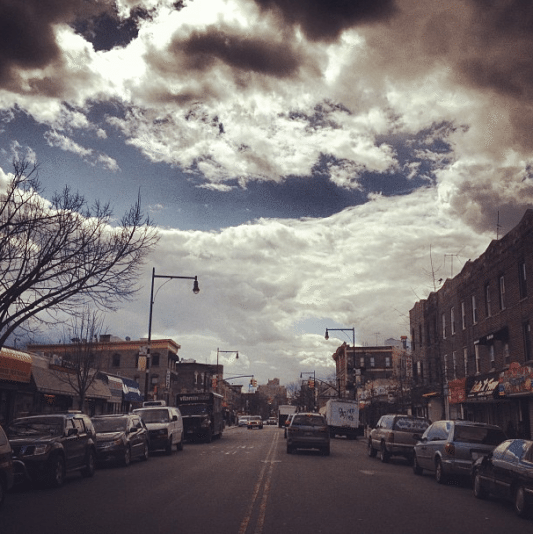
x=516, y=380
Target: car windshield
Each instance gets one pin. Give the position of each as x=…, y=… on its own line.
x=110, y=424
x=154, y=416
x=193, y=409
x=308, y=420
x=478, y=434
x=35, y=427
x=258, y=418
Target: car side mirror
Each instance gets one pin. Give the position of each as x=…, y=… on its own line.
x=174, y=418
x=72, y=432
x=132, y=429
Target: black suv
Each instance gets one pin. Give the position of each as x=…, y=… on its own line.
x=46, y=447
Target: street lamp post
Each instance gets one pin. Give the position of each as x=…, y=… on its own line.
x=225, y=352
x=195, y=290
x=352, y=330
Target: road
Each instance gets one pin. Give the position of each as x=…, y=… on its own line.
x=246, y=483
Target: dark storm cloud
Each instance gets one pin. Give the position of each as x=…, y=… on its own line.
x=26, y=31
x=239, y=52
x=324, y=20
x=502, y=33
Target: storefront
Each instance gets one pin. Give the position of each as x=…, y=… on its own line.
x=55, y=393
x=16, y=395
x=515, y=386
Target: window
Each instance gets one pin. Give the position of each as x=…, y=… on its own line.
x=492, y=354
x=488, y=310
x=463, y=315
x=443, y=326
x=387, y=361
x=362, y=361
x=445, y=368
x=116, y=360
x=522, y=280
x=478, y=361
x=465, y=358
x=155, y=360
x=452, y=320
x=502, y=292
x=506, y=353
x=454, y=364
x=372, y=362
x=474, y=309
x=526, y=333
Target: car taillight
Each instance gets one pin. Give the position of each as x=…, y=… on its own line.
x=449, y=449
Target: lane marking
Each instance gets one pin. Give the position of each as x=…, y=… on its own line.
x=267, y=464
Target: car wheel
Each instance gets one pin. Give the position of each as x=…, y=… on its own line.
x=384, y=455
x=168, y=448
x=146, y=452
x=479, y=491
x=417, y=470
x=521, y=507
x=56, y=471
x=126, y=460
x=179, y=446
x=440, y=477
x=371, y=451
x=90, y=466
x=209, y=436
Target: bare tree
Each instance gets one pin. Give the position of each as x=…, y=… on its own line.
x=82, y=362
x=62, y=255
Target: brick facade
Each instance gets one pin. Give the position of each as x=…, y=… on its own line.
x=473, y=330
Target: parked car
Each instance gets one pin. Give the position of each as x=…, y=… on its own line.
x=393, y=436
x=47, y=447
x=7, y=471
x=449, y=448
x=165, y=427
x=255, y=421
x=272, y=421
x=243, y=420
x=120, y=438
x=507, y=473
x=308, y=431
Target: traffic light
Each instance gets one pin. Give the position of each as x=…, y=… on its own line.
x=253, y=382
x=311, y=383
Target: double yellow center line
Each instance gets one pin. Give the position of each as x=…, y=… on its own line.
x=261, y=490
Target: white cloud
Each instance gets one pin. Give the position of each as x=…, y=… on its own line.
x=364, y=267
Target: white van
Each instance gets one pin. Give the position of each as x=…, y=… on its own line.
x=165, y=427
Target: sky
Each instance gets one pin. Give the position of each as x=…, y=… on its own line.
x=317, y=164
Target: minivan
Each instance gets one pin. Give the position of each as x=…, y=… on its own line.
x=165, y=427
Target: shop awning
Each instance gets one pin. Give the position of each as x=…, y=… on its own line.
x=498, y=335
x=131, y=390
x=116, y=386
x=15, y=366
x=57, y=383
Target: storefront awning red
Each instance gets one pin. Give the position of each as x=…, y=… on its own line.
x=15, y=366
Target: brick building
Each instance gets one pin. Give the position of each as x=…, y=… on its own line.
x=120, y=357
x=471, y=339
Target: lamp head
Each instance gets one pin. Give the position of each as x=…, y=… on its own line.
x=195, y=288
